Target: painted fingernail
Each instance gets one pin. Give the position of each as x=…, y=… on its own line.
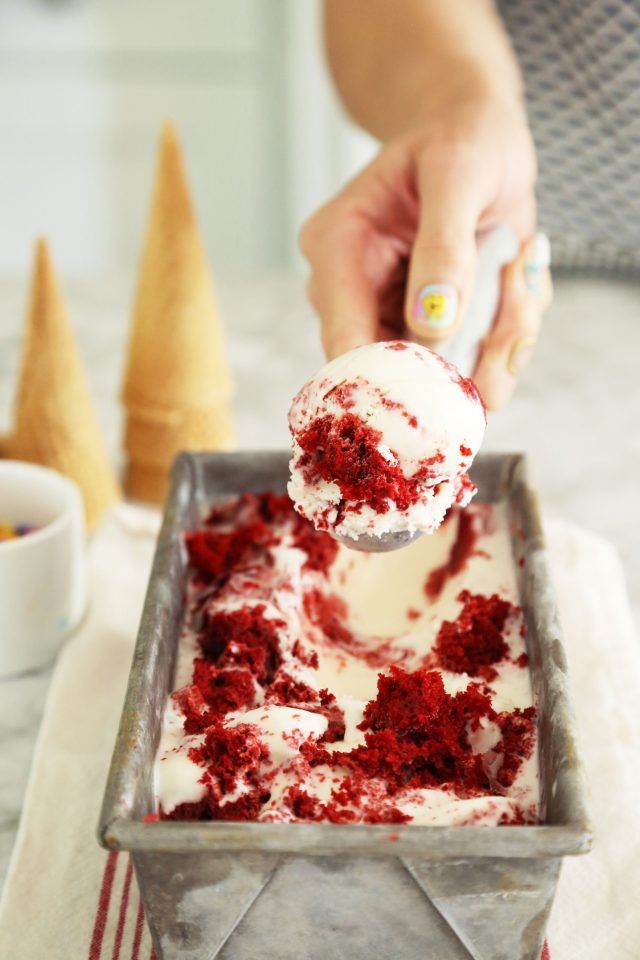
x=537, y=260
x=436, y=307
x=520, y=354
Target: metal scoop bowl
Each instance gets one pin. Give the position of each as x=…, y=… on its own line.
x=368, y=543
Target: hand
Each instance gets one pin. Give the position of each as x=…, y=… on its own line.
x=396, y=247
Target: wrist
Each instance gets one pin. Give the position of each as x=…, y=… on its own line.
x=469, y=92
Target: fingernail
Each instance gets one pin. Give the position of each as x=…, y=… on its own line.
x=537, y=260
x=436, y=306
x=520, y=354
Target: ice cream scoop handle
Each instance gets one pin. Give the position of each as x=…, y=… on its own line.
x=496, y=248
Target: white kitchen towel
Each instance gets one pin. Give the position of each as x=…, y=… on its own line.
x=66, y=899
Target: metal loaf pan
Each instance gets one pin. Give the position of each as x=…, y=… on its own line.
x=253, y=891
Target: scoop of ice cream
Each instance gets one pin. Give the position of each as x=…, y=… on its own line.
x=383, y=437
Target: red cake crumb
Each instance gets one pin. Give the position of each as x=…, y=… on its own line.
x=329, y=612
x=234, y=750
x=419, y=733
x=218, y=553
x=235, y=510
x=335, y=813
x=467, y=487
x=230, y=754
x=304, y=657
x=302, y=805
x=397, y=345
x=513, y=818
x=321, y=549
x=343, y=394
x=518, y=740
x=355, y=791
x=220, y=691
x=200, y=810
x=390, y=404
x=245, y=637
x=384, y=813
x=344, y=450
x=288, y=692
x=340, y=808
x=405, y=701
x=413, y=614
x=467, y=385
x=473, y=642
x=335, y=718
x=246, y=807
x=463, y=548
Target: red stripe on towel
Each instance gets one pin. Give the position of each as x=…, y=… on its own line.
x=122, y=916
x=102, y=911
x=137, y=937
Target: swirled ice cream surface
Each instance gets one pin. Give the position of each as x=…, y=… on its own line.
x=313, y=683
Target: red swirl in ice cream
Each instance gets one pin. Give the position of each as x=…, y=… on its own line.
x=315, y=683
x=383, y=437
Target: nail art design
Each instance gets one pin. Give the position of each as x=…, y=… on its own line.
x=436, y=306
x=520, y=354
x=537, y=260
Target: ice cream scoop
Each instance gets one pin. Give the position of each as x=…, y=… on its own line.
x=496, y=248
x=385, y=388
x=383, y=437
x=371, y=543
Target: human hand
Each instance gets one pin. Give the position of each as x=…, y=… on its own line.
x=396, y=247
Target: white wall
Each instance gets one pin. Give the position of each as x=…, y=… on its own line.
x=324, y=147
x=85, y=86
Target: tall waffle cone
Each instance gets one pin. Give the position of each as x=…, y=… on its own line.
x=54, y=421
x=176, y=352
x=152, y=440
x=177, y=385
x=147, y=483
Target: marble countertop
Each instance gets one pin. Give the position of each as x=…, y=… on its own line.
x=575, y=414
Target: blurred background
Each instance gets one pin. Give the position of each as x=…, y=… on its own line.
x=86, y=85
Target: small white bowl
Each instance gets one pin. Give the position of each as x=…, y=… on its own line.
x=43, y=586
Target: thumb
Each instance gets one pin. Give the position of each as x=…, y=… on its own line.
x=442, y=265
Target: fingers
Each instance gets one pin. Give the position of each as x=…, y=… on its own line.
x=442, y=265
x=522, y=216
x=338, y=288
x=527, y=292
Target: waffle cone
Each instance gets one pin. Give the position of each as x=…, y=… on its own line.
x=147, y=482
x=156, y=441
x=176, y=354
x=54, y=420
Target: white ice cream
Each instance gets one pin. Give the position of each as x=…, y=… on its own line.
x=427, y=420
x=393, y=619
